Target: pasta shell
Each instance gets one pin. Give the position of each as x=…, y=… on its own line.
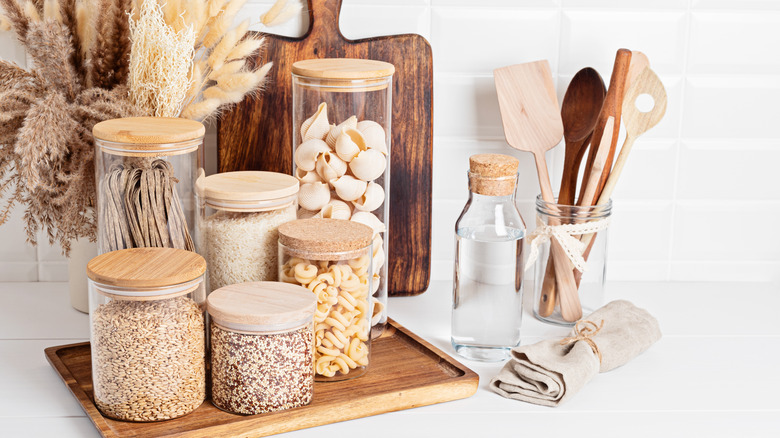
x=374, y=134
x=372, y=198
x=368, y=165
x=336, y=130
x=329, y=166
x=306, y=214
x=306, y=154
x=349, y=188
x=369, y=219
x=376, y=305
x=306, y=176
x=336, y=209
x=377, y=244
x=316, y=126
x=378, y=259
x=349, y=144
x=313, y=196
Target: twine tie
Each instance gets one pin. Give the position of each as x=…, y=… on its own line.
x=585, y=330
x=564, y=234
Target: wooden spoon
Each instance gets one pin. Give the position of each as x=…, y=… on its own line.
x=532, y=123
x=579, y=111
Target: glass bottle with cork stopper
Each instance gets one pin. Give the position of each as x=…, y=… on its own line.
x=487, y=288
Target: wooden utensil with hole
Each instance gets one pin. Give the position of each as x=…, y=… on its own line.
x=532, y=123
x=611, y=108
x=579, y=112
x=636, y=123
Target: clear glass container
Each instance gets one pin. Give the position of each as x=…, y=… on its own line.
x=146, y=169
x=262, y=347
x=341, y=148
x=239, y=214
x=590, y=291
x=332, y=258
x=488, y=280
x=147, y=333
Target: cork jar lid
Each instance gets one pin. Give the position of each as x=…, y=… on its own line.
x=343, y=68
x=266, y=305
x=248, y=189
x=325, y=239
x=146, y=267
x=493, y=174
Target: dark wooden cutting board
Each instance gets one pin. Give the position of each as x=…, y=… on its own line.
x=257, y=133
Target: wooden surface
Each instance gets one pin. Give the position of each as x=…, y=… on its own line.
x=343, y=68
x=148, y=130
x=257, y=134
x=248, y=186
x=261, y=303
x=405, y=372
x=146, y=267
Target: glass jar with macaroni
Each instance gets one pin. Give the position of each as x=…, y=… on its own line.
x=333, y=259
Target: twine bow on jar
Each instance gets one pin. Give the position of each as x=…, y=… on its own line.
x=564, y=234
x=585, y=330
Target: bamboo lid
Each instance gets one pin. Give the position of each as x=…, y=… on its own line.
x=493, y=174
x=261, y=303
x=325, y=236
x=146, y=267
x=248, y=186
x=148, y=130
x=343, y=68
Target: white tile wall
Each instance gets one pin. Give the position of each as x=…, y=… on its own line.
x=701, y=193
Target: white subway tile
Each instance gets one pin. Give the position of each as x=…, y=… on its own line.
x=444, y=215
x=618, y=270
x=726, y=231
x=731, y=107
x=370, y=20
x=53, y=271
x=592, y=37
x=499, y=3
x=13, y=236
x=736, y=271
x=48, y=252
x=734, y=42
x=296, y=27
x=479, y=40
x=649, y=172
x=760, y=5
x=736, y=169
x=11, y=50
x=625, y=4
x=18, y=271
x=466, y=106
x=640, y=230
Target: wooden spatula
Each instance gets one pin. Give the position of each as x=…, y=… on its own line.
x=532, y=123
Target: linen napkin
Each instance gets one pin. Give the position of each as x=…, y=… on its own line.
x=550, y=372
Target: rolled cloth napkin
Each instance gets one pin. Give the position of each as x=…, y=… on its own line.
x=550, y=372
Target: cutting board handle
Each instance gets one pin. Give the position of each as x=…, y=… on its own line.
x=324, y=17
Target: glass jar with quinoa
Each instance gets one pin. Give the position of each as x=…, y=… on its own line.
x=262, y=347
x=147, y=333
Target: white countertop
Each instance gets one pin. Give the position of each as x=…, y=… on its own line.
x=714, y=373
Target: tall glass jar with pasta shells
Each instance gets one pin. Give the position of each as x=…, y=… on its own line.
x=333, y=259
x=146, y=169
x=341, y=150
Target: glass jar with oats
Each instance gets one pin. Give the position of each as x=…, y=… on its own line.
x=146, y=169
x=147, y=333
x=262, y=347
x=342, y=112
x=332, y=259
x=239, y=215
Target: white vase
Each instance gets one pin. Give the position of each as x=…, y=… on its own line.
x=81, y=252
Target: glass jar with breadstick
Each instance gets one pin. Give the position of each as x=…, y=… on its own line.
x=333, y=259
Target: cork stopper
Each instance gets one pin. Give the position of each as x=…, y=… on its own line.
x=146, y=267
x=325, y=239
x=261, y=305
x=492, y=174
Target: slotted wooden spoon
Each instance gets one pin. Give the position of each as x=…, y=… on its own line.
x=532, y=123
x=579, y=113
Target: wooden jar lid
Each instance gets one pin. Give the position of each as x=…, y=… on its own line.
x=321, y=237
x=261, y=303
x=248, y=186
x=156, y=131
x=343, y=68
x=146, y=267
x=493, y=174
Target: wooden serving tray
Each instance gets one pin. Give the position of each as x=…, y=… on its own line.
x=256, y=134
x=404, y=372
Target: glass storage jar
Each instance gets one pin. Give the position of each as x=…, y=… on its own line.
x=147, y=333
x=262, y=347
x=590, y=292
x=146, y=169
x=487, y=294
x=332, y=258
x=341, y=148
x=239, y=215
